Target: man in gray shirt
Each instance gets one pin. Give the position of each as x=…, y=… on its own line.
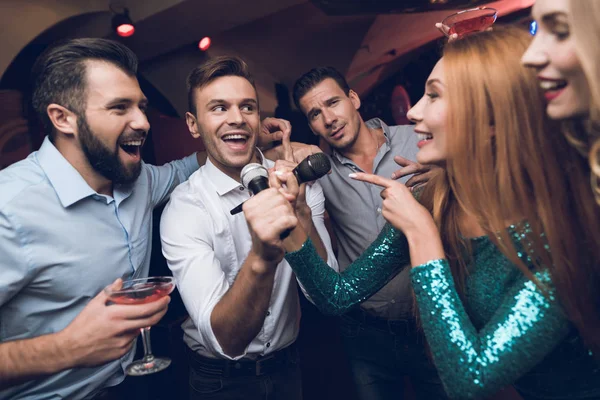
x=381, y=337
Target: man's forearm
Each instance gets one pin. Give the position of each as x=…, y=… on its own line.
x=24, y=360
x=239, y=316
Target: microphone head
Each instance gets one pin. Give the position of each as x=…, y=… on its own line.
x=251, y=171
x=313, y=167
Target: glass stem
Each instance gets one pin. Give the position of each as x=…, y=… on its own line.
x=148, y=356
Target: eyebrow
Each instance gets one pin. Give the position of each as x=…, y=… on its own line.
x=552, y=16
x=327, y=102
x=125, y=100
x=432, y=81
x=216, y=102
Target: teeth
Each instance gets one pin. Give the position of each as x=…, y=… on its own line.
x=549, y=85
x=233, y=137
x=424, y=136
x=132, y=143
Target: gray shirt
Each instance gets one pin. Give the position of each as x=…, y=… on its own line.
x=355, y=210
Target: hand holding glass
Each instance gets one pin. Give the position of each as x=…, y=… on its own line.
x=142, y=291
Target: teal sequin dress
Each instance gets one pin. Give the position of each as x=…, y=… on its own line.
x=506, y=331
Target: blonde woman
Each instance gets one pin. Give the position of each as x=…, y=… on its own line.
x=496, y=307
x=566, y=54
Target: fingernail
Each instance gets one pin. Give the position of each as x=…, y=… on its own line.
x=352, y=175
x=278, y=173
x=393, y=176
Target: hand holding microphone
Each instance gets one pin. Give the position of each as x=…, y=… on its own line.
x=255, y=177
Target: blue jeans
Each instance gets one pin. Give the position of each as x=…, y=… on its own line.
x=383, y=352
x=281, y=383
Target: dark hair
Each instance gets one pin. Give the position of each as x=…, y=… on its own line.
x=212, y=69
x=315, y=76
x=58, y=75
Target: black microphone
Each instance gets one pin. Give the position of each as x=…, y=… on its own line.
x=255, y=177
x=312, y=168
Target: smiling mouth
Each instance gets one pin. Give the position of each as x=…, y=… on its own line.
x=552, y=85
x=132, y=147
x=424, y=136
x=235, y=139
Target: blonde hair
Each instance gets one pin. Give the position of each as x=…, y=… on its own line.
x=585, y=22
x=503, y=168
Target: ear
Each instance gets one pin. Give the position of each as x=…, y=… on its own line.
x=192, y=124
x=354, y=99
x=63, y=119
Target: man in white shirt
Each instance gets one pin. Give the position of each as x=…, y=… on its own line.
x=241, y=294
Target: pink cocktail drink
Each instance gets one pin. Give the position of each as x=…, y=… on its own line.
x=142, y=291
x=469, y=21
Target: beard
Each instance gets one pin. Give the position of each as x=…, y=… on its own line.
x=104, y=160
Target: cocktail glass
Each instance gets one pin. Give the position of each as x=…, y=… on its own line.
x=141, y=291
x=469, y=21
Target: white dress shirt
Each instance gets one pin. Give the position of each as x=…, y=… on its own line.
x=205, y=246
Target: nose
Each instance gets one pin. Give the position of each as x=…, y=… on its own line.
x=535, y=56
x=415, y=114
x=234, y=116
x=329, y=117
x=140, y=121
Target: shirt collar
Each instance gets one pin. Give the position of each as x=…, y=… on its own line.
x=375, y=123
x=223, y=182
x=68, y=184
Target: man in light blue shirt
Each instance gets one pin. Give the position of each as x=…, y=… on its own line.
x=74, y=217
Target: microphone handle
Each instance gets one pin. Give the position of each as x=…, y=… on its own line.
x=285, y=234
x=258, y=184
x=237, y=209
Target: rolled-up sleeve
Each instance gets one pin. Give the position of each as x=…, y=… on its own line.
x=187, y=243
x=315, y=198
x=316, y=201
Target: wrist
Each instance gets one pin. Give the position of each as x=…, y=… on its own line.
x=259, y=265
x=296, y=239
x=425, y=245
x=425, y=230
x=304, y=215
x=66, y=353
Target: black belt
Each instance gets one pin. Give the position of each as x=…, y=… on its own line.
x=244, y=367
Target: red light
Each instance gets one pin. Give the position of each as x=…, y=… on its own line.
x=125, y=30
x=204, y=43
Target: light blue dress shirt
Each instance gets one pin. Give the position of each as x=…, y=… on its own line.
x=61, y=243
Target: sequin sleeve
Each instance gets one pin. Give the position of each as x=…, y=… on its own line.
x=335, y=293
x=476, y=364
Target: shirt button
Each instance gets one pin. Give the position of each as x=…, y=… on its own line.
x=269, y=344
x=393, y=301
x=268, y=313
x=241, y=188
x=379, y=210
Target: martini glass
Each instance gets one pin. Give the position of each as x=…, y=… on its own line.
x=469, y=21
x=142, y=291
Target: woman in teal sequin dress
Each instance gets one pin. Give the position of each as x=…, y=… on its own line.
x=485, y=284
